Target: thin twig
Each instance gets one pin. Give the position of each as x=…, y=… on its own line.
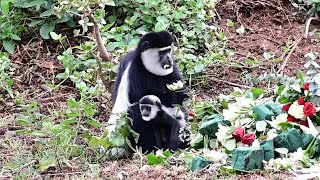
x=22, y=167
x=230, y=83
x=297, y=42
x=105, y=55
x=287, y=58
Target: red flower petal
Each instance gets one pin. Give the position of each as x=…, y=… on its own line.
x=301, y=101
x=309, y=109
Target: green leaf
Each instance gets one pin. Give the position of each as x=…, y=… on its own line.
x=300, y=76
x=15, y=37
x=199, y=68
x=5, y=7
x=256, y=92
x=73, y=103
x=24, y=121
x=94, y=123
x=224, y=104
x=69, y=121
x=34, y=23
x=46, y=13
x=55, y=36
x=117, y=141
x=154, y=160
x=46, y=29
x=45, y=163
x=94, y=142
x=9, y=46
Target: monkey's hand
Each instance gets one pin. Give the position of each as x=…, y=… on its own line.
x=179, y=96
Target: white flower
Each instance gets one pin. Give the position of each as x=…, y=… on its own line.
x=296, y=111
x=256, y=143
x=279, y=119
x=216, y=155
x=230, y=114
x=175, y=86
x=271, y=134
x=110, y=128
x=297, y=156
x=222, y=132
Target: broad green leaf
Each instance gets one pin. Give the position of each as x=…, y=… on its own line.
x=46, y=13
x=199, y=68
x=9, y=46
x=45, y=163
x=94, y=123
x=94, y=142
x=15, y=37
x=154, y=160
x=46, y=29
x=69, y=121
x=34, y=23
x=117, y=141
x=73, y=103
x=5, y=7
x=256, y=92
x=55, y=36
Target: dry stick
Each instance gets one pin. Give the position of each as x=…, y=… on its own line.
x=105, y=55
x=227, y=82
x=22, y=167
x=297, y=42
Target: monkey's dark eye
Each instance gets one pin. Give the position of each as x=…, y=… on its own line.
x=148, y=108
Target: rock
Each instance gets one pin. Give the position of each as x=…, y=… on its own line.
x=210, y=126
x=117, y=152
x=263, y=112
x=306, y=138
x=290, y=139
x=247, y=158
x=275, y=108
x=199, y=163
x=268, y=149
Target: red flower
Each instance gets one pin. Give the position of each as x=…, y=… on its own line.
x=306, y=86
x=286, y=107
x=309, y=109
x=191, y=114
x=291, y=119
x=305, y=123
x=238, y=134
x=301, y=101
x=248, y=138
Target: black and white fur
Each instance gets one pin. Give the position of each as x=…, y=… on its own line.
x=166, y=122
x=146, y=71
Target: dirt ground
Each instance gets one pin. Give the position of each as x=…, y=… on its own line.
x=270, y=26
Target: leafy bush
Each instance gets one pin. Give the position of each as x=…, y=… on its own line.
x=5, y=77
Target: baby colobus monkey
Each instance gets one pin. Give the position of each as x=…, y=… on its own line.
x=166, y=122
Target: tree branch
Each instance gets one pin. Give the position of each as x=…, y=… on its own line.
x=105, y=55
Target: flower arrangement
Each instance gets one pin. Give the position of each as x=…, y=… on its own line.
x=297, y=105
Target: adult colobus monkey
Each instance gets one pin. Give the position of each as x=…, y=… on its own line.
x=166, y=122
x=146, y=71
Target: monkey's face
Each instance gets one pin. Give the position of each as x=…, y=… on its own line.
x=158, y=61
x=148, y=111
